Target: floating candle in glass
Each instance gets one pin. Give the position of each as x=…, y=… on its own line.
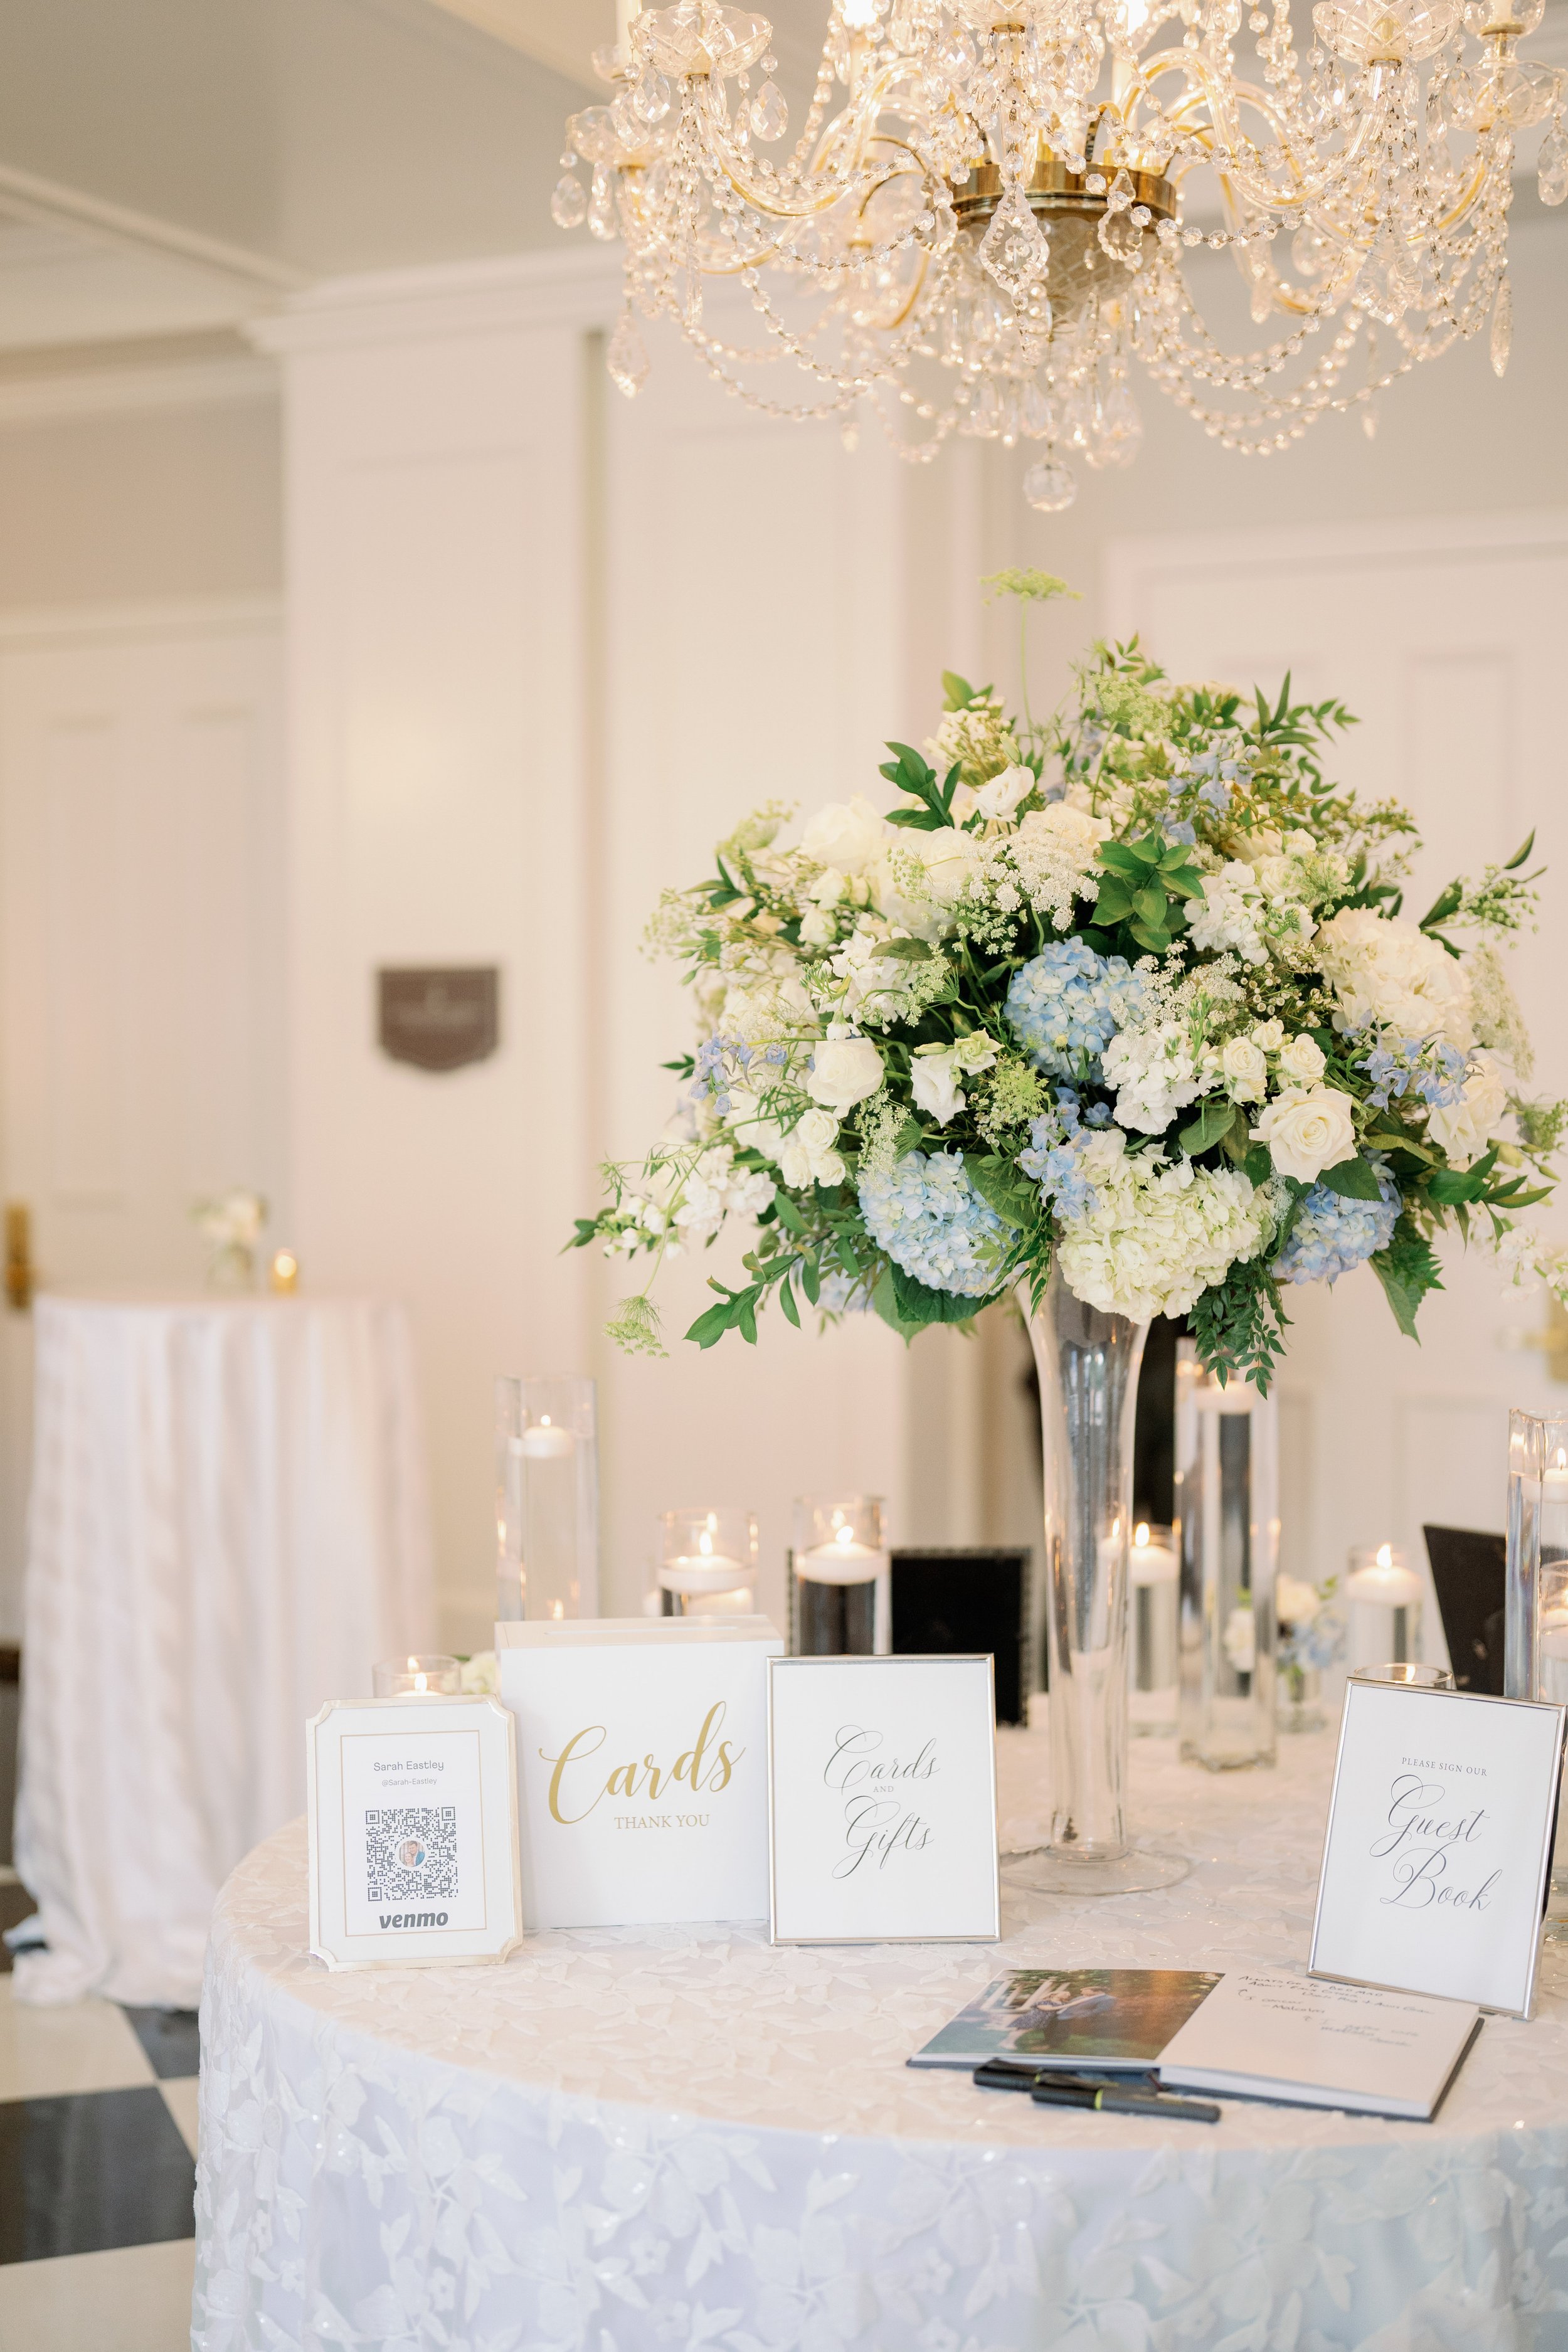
x=1153, y=1655
x=708, y=1560
x=1382, y=1599
x=841, y=1593
x=547, y=1498
x=426, y=1674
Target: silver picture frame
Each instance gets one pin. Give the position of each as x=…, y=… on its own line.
x=1359, y=1696
x=891, y=1664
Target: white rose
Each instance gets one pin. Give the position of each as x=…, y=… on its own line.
x=933, y=1080
x=948, y=857
x=999, y=797
x=1244, y=1071
x=817, y=928
x=846, y=836
x=1308, y=1131
x=1296, y=1604
x=1302, y=1061
x=827, y=889
x=1464, y=1129
x=751, y=1126
x=1383, y=968
x=844, y=1071
x=1269, y=1036
x=1071, y=825
x=1241, y=1641
x=807, y=1156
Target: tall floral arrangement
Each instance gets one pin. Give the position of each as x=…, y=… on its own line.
x=1129, y=990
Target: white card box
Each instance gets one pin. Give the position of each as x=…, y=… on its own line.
x=616, y=1717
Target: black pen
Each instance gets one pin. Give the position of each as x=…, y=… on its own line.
x=1010, y=2075
x=1109, y=2100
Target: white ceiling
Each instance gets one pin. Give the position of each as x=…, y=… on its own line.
x=169, y=167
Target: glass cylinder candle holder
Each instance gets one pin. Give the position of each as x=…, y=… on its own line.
x=708, y=1561
x=429, y=1675
x=842, y=1582
x=1535, y=1617
x=547, y=1498
x=1407, y=1676
x=1383, y=1608
x=1154, y=1578
x=1227, y=1502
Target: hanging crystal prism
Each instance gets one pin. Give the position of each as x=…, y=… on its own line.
x=1502, y=328
x=1050, y=485
x=627, y=358
x=1551, y=163
x=569, y=205
x=1015, y=248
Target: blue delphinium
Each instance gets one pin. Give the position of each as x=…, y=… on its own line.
x=1067, y=1003
x=1331, y=1235
x=1426, y=1066
x=928, y=1219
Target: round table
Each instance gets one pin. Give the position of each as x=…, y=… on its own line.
x=227, y=1525
x=670, y=2137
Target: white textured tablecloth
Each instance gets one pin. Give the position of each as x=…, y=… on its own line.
x=227, y=1525
x=673, y=2138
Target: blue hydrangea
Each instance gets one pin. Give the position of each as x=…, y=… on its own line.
x=1331, y=1235
x=1055, y=1160
x=1067, y=1003
x=928, y=1219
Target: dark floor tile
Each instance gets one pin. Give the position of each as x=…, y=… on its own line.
x=101, y=2168
x=15, y=1904
x=169, y=2039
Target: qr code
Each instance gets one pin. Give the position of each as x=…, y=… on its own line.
x=411, y=1853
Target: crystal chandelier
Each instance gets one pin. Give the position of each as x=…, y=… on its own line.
x=986, y=215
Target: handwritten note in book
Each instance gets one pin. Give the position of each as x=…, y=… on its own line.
x=883, y=1800
x=1437, y=1844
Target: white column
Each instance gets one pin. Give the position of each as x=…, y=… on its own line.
x=440, y=810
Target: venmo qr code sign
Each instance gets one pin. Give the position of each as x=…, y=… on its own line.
x=414, y=1832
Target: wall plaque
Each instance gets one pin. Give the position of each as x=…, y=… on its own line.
x=438, y=1018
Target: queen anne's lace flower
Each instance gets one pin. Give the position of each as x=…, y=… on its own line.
x=1331, y=1235
x=929, y=1220
x=1054, y=854
x=1067, y=1003
x=1159, y=1232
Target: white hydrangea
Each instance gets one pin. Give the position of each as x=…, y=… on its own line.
x=716, y=1189
x=1159, y=1232
x=1385, y=970
x=1227, y=915
x=1156, y=1072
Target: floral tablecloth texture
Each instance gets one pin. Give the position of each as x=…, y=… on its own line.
x=678, y=2137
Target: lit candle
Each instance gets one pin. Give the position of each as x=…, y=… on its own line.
x=1151, y=1562
x=431, y=1675
x=283, y=1275
x=1386, y=1581
x=845, y=1560
x=545, y=1441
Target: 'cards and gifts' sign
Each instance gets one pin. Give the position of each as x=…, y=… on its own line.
x=642, y=1768
x=1439, y=1843
x=883, y=1800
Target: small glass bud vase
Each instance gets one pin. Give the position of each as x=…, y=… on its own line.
x=1227, y=1499
x=708, y=1561
x=841, y=1587
x=1310, y=1637
x=1154, y=1578
x=1383, y=1601
x=547, y=1498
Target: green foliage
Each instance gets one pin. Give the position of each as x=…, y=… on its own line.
x=915, y=776
x=1353, y=1179
x=957, y=694
x=1541, y=1125
x=1303, y=727
x=917, y=1306
x=1408, y=1270
x=1500, y=901
x=1239, y=1324
x=1002, y=1187
x=1146, y=886
x=1216, y=1122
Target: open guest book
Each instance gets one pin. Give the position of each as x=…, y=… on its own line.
x=1262, y=2034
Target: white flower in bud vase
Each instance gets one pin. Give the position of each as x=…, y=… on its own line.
x=1301, y=1061
x=846, y=836
x=1294, y=1602
x=845, y=1069
x=1307, y=1131
x=1244, y=1070
x=1241, y=1640
x=1464, y=1129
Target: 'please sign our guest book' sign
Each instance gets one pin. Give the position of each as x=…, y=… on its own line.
x=642, y=1767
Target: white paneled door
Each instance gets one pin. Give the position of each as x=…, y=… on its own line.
x=1447, y=640
x=140, y=955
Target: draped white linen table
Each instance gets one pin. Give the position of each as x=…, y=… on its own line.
x=227, y=1526
x=646, y=2140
